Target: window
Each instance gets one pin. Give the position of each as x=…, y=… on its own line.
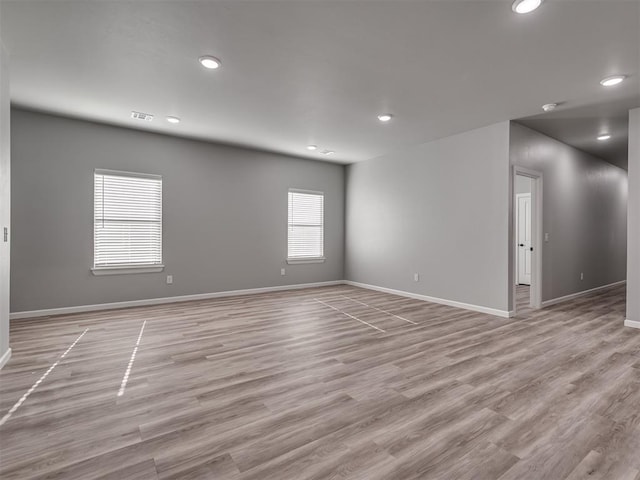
x=127, y=222
x=306, y=227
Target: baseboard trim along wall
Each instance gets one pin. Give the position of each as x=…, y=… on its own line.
x=566, y=298
x=162, y=300
x=631, y=323
x=5, y=358
x=249, y=291
x=426, y=298
x=232, y=293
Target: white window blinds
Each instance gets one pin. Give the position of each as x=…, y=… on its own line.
x=127, y=221
x=306, y=225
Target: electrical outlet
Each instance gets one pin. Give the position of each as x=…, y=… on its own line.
x=581, y=275
x=416, y=277
x=283, y=272
x=546, y=237
x=169, y=279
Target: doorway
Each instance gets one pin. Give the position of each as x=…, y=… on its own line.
x=527, y=237
x=523, y=234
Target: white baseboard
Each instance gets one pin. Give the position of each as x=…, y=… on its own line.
x=442, y=301
x=250, y=291
x=159, y=301
x=566, y=298
x=5, y=358
x=631, y=323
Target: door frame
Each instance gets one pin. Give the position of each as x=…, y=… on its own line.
x=536, y=234
x=517, y=233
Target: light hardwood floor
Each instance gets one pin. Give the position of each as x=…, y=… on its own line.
x=523, y=298
x=288, y=386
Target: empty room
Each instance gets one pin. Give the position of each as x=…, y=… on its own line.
x=320, y=239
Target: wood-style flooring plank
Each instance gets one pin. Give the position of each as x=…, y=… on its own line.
x=279, y=386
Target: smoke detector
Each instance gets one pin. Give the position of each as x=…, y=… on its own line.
x=147, y=117
x=549, y=107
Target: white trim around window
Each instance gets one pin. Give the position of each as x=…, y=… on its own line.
x=305, y=226
x=297, y=261
x=128, y=270
x=127, y=234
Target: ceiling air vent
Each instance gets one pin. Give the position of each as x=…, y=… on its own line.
x=142, y=116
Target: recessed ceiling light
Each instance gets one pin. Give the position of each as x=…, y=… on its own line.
x=385, y=117
x=312, y=147
x=327, y=152
x=549, y=107
x=171, y=119
x=613, y=80
x=525, y=6
x=604, y=137
x=207, y=61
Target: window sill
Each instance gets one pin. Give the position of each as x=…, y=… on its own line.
x=127, y=270
x=294, y=261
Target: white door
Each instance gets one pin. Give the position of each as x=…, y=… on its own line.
x=523, y=219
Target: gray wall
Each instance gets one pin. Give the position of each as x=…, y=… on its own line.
x=439, y=209
x=584, y=212
x=5, y=199
x=523, y=184
x=224, y=212
x=633, y=259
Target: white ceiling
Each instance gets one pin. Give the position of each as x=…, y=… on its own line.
x=318, y=72
x=576, y=126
